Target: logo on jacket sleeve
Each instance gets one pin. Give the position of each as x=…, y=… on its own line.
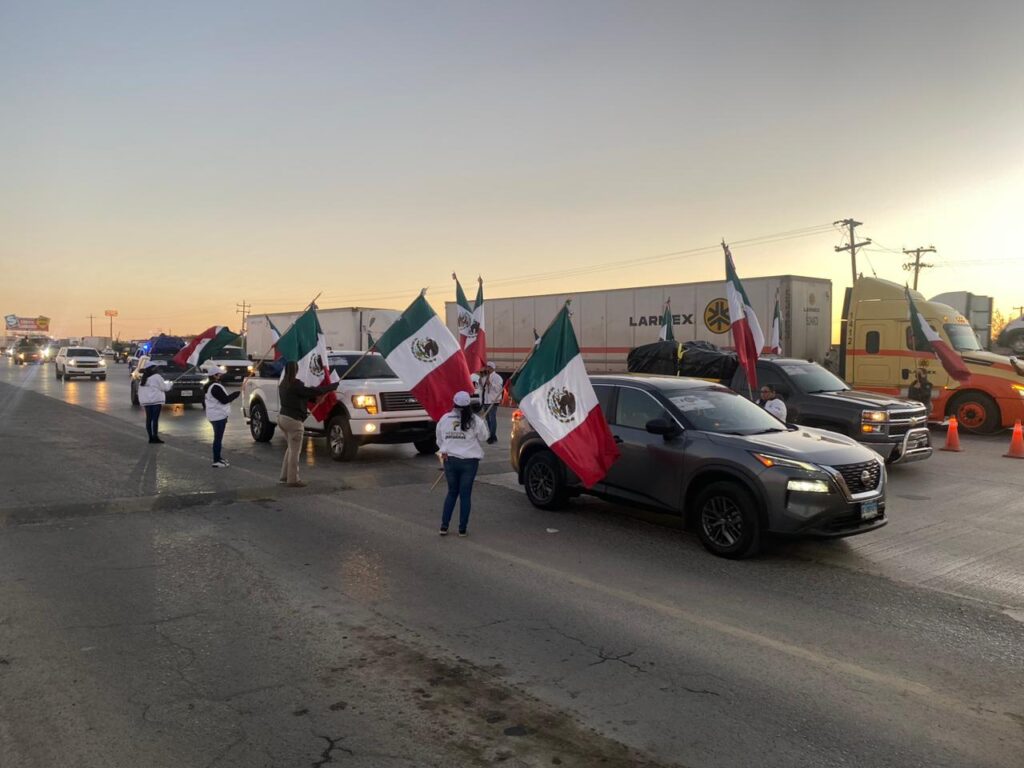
x=561, y=404
x=424, y=350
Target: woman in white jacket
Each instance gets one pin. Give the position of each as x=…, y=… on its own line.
x=152, y=396
x=218, y=408
x=460, y=437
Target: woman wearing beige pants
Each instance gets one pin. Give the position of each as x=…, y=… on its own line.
x=294, y=397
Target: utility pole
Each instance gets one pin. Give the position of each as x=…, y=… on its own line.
x=243, y=310
x=91, y=318
x=1021, y=312
x=916, y=264
x=853, y=246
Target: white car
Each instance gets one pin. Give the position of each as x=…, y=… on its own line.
x=237, y=364
x=80, y=361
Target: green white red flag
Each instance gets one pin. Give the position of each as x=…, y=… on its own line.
x=925, y=336
x=747, y=336
x=555, y=394
x=472, y=334
x=275, y=336
x=305, y=344
x=425, y=355
x=205, y=346
x=775, y=335
x=666, y=334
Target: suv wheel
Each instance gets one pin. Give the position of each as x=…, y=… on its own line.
x=259, y=423
x=727, y=520
x=545, y=481
x=426, y=446
x=340, y=443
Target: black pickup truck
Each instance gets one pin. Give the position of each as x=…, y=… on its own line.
x=814, y=397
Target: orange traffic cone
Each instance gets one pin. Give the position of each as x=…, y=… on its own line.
x=1016, y=443
x=952, y=436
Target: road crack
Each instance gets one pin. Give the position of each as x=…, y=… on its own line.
x=598, y=650
x=327, y=756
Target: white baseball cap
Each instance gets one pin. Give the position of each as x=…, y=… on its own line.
x=213, y=369
x=490, y=365
x=461, y=399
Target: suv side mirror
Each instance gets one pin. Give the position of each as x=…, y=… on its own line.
x=663, y=427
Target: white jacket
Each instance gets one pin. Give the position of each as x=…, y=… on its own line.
x=215, y=409
x=152, y=393
x=491, y=387
x=776, y=408
x=451, y=440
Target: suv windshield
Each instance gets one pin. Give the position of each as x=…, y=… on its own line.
x=369, y=367
x=811, y=379
x=962, y=337
x=716, y=410
x=231, y=353
x=82, y=352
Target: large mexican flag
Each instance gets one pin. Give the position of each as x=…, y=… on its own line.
x=555, y=393
x=425, y=355
x=205, y=346
x=472, y=335
x=747, y=336
x=925, y=336
x=304, y=343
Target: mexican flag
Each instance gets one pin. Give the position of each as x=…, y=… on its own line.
x=925, y=336
x=472, y=337
x=205, y=346
x=555, y=393
x=304, y=343
x=747, y=336
x=275, y=336
x=666, y=333
x=425, y=355
x=775, y=335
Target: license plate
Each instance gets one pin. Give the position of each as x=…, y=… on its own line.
x=186, y=393
x=869, y=510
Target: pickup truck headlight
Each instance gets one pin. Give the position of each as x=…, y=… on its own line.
x=366, y=403
x=1018, y=388
x=250, y=370
x=808, y=486
x=873, y=417
x=781, y=461
x=102, y=362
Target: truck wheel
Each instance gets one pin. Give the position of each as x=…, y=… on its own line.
x=426, y=446
x=545, y=481
x=259, y=423
x=340, y=443
x=727, y=521
x=976, y=412
x=135, y=393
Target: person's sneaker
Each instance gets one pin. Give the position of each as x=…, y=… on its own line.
x=282, y=481
x=225, y=463
x=443, y=532
x=219, y=464
x=492, y=440
x=463, y=534
x=156, y=440
x=297, y=484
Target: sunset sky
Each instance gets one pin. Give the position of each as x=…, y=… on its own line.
x=171, y=159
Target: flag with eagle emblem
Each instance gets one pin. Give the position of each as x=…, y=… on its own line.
x=304, y=343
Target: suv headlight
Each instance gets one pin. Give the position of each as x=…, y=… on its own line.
x=807, y=486
x=367, y=403
x=781, y=461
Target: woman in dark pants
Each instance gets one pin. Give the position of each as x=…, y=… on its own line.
x=460, y=437
x=218, y=407
x=153, y=389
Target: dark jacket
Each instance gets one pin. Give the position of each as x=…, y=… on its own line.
x=295, y=397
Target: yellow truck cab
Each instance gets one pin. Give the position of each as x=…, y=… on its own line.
x=877, y=353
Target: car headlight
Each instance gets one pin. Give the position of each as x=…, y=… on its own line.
x=1019, y=388
x=251, y=370
x=808, y=486
x=781, y=461
x=874, y=416
x=103, y=362
x=21, y=355
x=367, y=403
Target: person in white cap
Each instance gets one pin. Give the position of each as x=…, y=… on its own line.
x=460, y=434
x=153, y=389
x=218, y=408
x=491, y=387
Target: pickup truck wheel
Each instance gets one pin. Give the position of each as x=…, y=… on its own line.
x=135, y=393
x=259, y=423
x=340, y=443
x=976, y=412
x=545, y=481
x=426, y=446
x=727, y=521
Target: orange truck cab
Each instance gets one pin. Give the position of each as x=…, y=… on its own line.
x=877, y=353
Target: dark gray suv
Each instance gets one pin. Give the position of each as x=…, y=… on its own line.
x=732, y=469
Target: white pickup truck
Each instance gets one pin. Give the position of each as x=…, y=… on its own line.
x=374, y=406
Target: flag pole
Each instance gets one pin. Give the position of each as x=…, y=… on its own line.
x=534, y=347
x=263, y=359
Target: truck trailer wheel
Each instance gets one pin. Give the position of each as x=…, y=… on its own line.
x=340, y=443
x=976, y=412
x=259, y=423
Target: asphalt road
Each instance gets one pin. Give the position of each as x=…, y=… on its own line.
x=155, y=611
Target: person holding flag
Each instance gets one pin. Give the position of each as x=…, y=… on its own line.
x=460, y=436
x=491, y=391
x=472, y=335
x=747, y=336
x=295, y=396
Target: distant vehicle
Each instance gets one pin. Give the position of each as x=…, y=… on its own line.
x=237, y=364
x=26, y=352
x=80, y=361
x=732, y=470
x=188, y=384
x=108, y=351
x=374, y=406
x=50, y=350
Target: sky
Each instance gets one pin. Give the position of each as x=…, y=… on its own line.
x=170, y=160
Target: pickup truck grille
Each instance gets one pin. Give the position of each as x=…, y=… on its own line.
x=901, y=422
x=856, y=479
x=399, y=401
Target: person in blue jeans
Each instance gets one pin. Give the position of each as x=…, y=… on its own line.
x=491, y=390
x=460, y=438
x=218, y=407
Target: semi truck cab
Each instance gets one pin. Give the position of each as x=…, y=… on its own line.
x=878, y=354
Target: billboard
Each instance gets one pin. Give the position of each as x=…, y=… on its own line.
x=15, y=323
